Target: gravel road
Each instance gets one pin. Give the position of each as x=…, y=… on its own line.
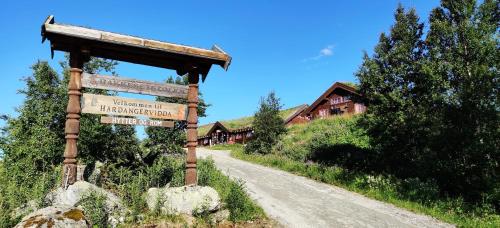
x=296, y=201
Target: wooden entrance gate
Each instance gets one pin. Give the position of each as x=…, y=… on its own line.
x=82, y=43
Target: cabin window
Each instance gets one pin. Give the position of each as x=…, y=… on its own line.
x=337, y=100
x=322, y=112
x=336, y=111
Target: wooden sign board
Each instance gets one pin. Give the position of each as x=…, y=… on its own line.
x=120, y=106
x=132, y=121
x=133, y=86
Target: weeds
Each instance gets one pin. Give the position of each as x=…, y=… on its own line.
x=94, y=205
x=232, y=193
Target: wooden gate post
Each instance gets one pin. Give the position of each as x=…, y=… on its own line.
x=192, y=128
x=72, y=127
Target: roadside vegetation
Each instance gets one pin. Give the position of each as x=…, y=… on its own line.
x=335, y=151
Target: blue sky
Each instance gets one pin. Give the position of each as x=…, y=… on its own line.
x=296, y=48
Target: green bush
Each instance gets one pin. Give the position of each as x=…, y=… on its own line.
x=94, y=206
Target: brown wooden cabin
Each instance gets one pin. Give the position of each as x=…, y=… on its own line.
x=219, y=134
x=339, y=99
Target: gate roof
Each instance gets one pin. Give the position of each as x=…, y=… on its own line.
x=132, y=49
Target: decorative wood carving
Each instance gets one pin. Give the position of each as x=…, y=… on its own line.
x=192, y=128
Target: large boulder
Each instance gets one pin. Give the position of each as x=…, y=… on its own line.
x=75, y=192
x=183, y=200
x=55, y=216
x=73, y=195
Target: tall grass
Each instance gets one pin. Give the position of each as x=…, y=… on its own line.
x=232, y=193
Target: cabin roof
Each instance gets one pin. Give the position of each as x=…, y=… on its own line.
x=132, y=49
x=242, y=124
x=335, y=86
x=299, y=110
x=215, y=126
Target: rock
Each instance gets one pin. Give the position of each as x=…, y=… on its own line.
x=75, y=192
x=95, y=176
x=183, y=200
x=24, y=209
x=221, y=215
x=55, y=216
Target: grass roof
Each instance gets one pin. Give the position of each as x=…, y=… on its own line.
x=243, y=121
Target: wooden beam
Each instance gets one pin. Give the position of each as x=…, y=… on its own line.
x=61, y=33
x=129, y=85
x=133, y=121
x=121, y=106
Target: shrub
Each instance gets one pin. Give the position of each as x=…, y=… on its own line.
x=94, y=206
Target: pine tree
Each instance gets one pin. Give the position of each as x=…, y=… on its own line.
x=388, y=82
x=433, y=104
x=268, y=126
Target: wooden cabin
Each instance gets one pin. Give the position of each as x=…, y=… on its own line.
x=339, y=99
x=239, y=130
x=220, y=134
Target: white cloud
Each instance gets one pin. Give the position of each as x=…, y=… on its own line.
x=326, y=51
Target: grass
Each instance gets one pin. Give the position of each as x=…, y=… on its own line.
x=411, y=194
x=232, y=193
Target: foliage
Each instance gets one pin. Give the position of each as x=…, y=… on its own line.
x=33, y=142
x=433, y=103
x=131, y=184
x=94, y=205
x=232, y=193
x=170, y=140
x=335, y=140
x=412, y=193
x=268, y=125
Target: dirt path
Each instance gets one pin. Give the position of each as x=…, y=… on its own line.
x=296, y=201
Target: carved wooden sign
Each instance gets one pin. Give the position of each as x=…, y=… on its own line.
x=133, y=86
x=132, y=121
x=120, y=106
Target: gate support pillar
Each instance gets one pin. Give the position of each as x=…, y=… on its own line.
x=192, y=128
x=72, y=128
